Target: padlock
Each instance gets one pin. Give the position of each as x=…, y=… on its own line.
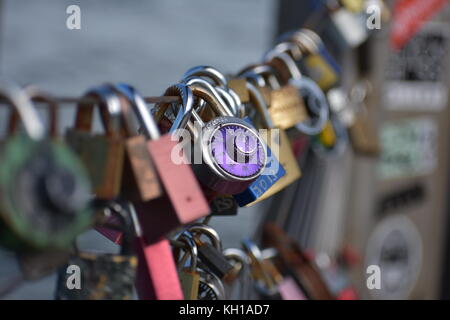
x=102, y=154
x=314, y=98
x=44, y=189
x=264, y=281
x=232, y=153
x=143, y=176
x=221, y=93
x=279, y=143
x=293, y=259
x=271, y=283
x=234, y=95
x=362, y=131
x=273, y=171
x=210, y=253
x=351, y=112
x=182, y=203
x=239, y=86
x=315, y=59
x=140, y=180
x=103, y=276
x=211, y=287
x=242, y=277
x=286, y=106
x=196, y=280
x=157, y=276
x=189, y=275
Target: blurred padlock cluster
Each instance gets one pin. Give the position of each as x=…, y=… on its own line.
x=335, y=139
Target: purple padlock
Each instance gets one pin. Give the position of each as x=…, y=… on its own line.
x=233, y=153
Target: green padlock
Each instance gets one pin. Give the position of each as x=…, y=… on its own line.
x=44, y=189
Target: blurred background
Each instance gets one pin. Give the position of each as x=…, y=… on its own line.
x=390, y=209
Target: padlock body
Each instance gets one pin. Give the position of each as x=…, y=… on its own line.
x=225, y=166
x=214, y=260
x=178, y=180
x=363, y=136
x=288, y=162
x=103, y=277
x=144, y=178
x=239, y=86
x=32, y=214
x=190, y=282
x=103, y=158
x=322, y=68
x=286, y=107
x=140, y=183
x=183, y=199
x=272, y=173
x=157, y=276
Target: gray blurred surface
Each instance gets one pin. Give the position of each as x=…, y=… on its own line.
x=148, y=44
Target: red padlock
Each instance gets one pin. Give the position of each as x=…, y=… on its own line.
x=157, y=275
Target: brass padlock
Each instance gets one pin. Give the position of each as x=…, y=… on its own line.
x=314, y=98
x=189, y=275
x=278, y=142
x=139, y=170
x=102, y=154
x=286, y=105
x=363, y=132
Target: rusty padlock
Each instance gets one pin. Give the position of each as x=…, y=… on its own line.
x=183, y=201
